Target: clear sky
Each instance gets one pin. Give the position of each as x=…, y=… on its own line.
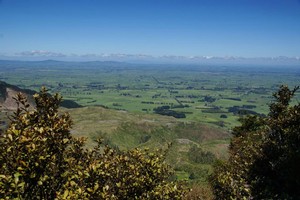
x=248, y=28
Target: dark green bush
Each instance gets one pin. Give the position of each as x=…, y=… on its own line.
x=264, y=155
x=198, y=155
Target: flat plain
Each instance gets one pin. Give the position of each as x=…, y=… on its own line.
x=209, y=94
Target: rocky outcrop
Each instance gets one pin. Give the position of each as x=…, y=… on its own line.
x=8, y=93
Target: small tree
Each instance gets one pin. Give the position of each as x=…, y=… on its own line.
x=264, y=155
x=41, y=160
x=32, y=149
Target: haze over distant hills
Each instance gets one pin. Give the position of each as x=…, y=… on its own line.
x=149, y=59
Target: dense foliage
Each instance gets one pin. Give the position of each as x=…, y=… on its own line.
x=264, y=155
x=41, y=160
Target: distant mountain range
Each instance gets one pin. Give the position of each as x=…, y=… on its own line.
x=148, y=59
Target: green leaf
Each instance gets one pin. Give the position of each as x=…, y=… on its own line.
x=66, y=193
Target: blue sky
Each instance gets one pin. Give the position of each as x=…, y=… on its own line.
x=247, y=28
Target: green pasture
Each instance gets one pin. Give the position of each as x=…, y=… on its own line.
x=140, y=89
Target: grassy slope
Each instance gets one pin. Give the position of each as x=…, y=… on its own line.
x=129, y=130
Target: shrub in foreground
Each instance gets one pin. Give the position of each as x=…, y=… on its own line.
x=41, y=160
x=264, y=155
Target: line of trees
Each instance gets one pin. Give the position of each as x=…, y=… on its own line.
x=165, y=110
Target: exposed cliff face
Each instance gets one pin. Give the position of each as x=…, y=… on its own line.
x=8, y=92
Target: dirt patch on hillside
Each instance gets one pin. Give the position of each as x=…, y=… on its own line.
x=9, y=103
